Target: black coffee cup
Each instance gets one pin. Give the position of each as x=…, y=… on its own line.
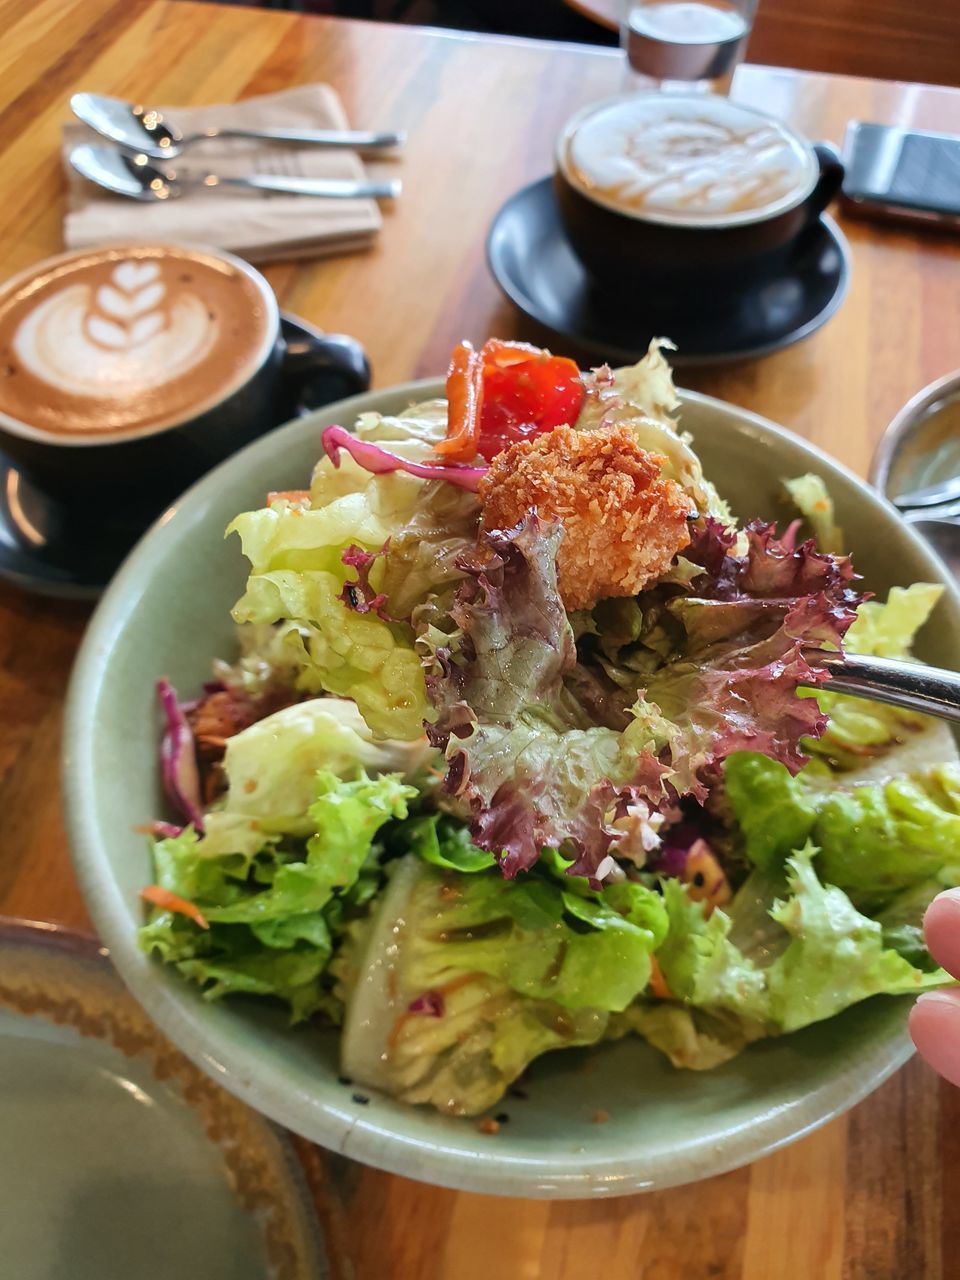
x=625, y=251
x=299, y=369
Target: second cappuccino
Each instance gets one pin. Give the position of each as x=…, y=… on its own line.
x=678, y=159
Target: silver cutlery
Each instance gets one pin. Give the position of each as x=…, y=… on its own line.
x=138, y=179
x=933, y=413
x=147, y=131
x=912, y=685
x=933, y=495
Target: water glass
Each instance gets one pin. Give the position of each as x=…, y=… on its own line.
x=685, y=44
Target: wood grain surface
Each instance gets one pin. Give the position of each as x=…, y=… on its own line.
x=889, y=39
x=874, y=1195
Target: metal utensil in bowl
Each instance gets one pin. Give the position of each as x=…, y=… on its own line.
x=940, y=493
x=931, y=417
x=912, y=685
x=138, y=179
x=148, y=131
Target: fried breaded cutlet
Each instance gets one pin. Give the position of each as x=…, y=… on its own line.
x=623, y=523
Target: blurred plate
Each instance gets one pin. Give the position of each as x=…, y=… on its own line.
x=119, y=1160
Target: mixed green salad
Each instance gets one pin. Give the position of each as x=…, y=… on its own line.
x=525, y=746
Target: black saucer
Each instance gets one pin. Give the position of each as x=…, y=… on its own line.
x=72, y=551
x=535, y=266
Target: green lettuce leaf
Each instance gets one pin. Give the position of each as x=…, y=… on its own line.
x=415, y=528
x=774, y=811
x=486, y=974
x=443, y=842
x=272, y=915
x=887, y=630
x=345, y=817
x=692, y=1039
x=265, y=661
x=701, y=966
x=791, y=950
x=836, y=956
x=334, y=649
x=812, y=499
x=272, y=766
x=875, y=839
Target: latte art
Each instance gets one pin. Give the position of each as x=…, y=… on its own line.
x=701, y=159
x=113, y=341
x=118, y=338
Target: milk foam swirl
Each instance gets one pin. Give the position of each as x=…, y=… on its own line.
x=128, y=338
x=687, y=159
x=117, y=338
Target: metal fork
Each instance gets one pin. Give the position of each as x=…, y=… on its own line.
x=912, y=685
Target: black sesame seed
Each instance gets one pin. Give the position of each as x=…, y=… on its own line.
x=361, y=1098
x=519, y=1093
x=502, y=1118
x=698, y=880
x=344, y=1080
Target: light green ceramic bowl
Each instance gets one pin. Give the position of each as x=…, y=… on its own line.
x=167, y=613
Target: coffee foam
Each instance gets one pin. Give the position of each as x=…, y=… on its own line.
x=118, y=340
x=699, y=159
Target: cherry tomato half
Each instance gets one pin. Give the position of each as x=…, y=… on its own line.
x=523, y=399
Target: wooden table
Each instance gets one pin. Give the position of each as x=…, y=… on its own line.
x=873, y=1195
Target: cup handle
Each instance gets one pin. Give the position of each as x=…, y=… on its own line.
x=831, y=176
x=323, y=367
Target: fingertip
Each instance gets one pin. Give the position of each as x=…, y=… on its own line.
x=941, y=929
x=935, y=1030
x=948, y=900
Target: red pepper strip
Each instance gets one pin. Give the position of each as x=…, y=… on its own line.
x=168, y=901
x=464, y=403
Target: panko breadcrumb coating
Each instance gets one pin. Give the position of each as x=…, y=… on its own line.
x=623, y=523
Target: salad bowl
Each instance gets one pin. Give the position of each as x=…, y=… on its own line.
x=616, y=1120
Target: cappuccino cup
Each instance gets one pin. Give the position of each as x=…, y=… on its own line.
x=130, y=370
x=668, y=193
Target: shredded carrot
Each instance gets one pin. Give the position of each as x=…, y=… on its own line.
x=168, y=901
x=658, y=983
x=464, y=403
x=288, y=495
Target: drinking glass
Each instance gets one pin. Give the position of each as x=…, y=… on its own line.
x=685, y=44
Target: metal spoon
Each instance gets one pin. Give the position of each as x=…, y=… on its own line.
x=932, y=495
x=901, y=684
x=144, y=129
x=138, y=179
x=932, y=414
